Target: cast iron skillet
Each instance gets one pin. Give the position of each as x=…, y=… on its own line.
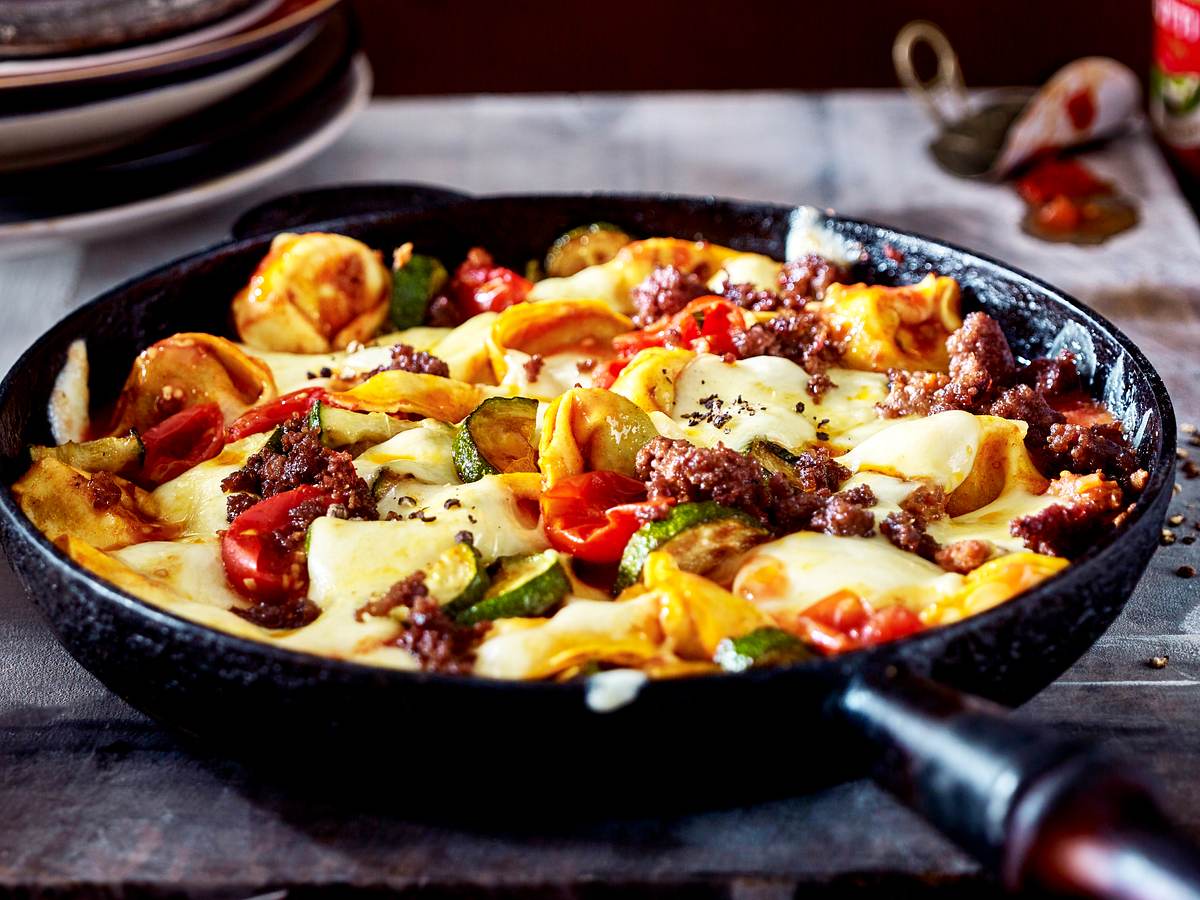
x=1024, y=801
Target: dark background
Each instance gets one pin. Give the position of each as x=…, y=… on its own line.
x=454, y=46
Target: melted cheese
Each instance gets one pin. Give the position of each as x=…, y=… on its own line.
x=787, y=576
x=940, y=449
x=195, y=499
x=767, y=397
x=358, y=559
x=188, y=579
x=293, y=371
x=559, y=373
x=748, y=268
x=194, y=570
x=624, y=633
x=612, y=281
x=424, y=452
x=991, y=522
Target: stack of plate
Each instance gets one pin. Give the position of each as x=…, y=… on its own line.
x=123, y=113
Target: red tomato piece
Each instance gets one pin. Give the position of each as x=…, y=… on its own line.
x=273, y=414
x=177, y=443
x=721, y=322
x=608, y=373
x=479, y=285
x=260, y=562
x=1059, y=178
x=845, y=612
x=844, y=621
x=711, y=319
x=1060, y=214
x=593, y=515
x=889, y=624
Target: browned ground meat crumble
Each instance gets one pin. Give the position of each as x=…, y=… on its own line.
x=294, y=613
x=679, y=471
x=846, y=513
x=985, y=379
x=1029, y=405
x=927, y=503
x=102, y=491
x=664, y=292
x=807, y=278
x=1094, y=448
x=747, y=296
x=818, y=470
x=801, y=336
x=301, y=458
x=800, y=282
x=438, y=642
x=533, y=366
x=963, y=556
x=911, y=393
x=906, y=530
x=1072, y=526
x=406, y=358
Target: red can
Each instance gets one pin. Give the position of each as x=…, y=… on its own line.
x=1175, y=79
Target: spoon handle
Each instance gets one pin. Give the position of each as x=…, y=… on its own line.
x=944, y=96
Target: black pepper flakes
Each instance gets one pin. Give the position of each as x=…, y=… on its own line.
x=326, y=372
x=452, y=503
x=799, y=406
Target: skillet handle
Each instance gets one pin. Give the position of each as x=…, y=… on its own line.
x=1050, y=814
x=291, y=211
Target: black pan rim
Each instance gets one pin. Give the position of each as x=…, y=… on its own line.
x=1161, y=472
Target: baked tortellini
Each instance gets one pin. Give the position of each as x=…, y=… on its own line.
x=313, y=293
x=675, y=457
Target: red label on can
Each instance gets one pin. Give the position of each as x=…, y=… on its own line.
x=1177, y=36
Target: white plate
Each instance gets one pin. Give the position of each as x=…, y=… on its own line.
x=59, y=135
x=22, y=237
x=220, y=29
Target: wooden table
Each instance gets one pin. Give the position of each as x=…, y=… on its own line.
x=94, y=797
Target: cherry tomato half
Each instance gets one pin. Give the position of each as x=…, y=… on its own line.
x=844, y=621
x=479, y=285
x=273, y=414
x=711, y=319
x=260, y=565
x=593, y=515
x=177, y=443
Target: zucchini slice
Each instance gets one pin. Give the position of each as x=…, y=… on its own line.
x=588, y=245
x=524, y=586
x=108, y=454
x=497, y=438
x=413, y=285
x=341, y=428
x=768, y=646
x=774, y=459
x=457, y=579
x=701, y=536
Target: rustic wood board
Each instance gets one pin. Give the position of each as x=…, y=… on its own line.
x=96, y=799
